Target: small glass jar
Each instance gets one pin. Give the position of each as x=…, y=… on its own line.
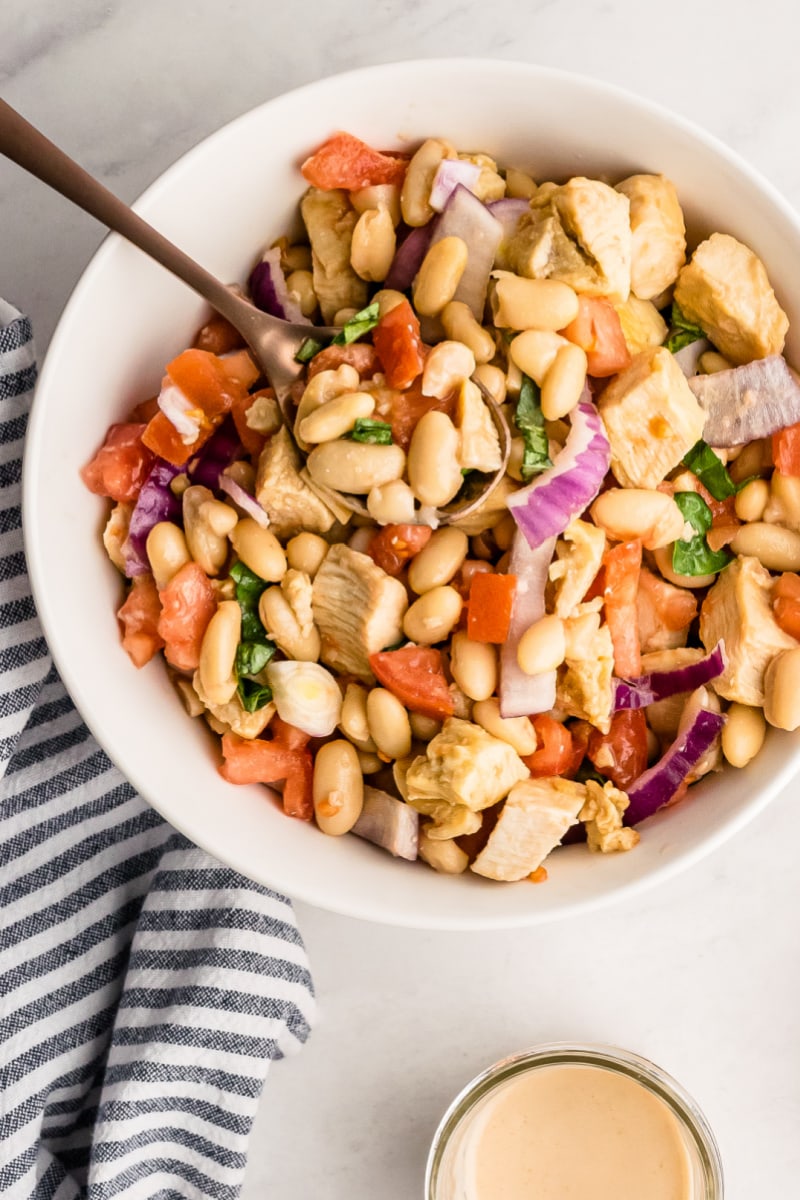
x=449, y=1148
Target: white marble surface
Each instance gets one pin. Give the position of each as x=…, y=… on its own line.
x=703, y=974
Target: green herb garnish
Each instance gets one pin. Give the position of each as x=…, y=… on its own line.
x=586, y=771
x=682, y=332
x=367, y=429
x=358, y=325
x=696, y=557
x=255, y=649
x=530, y=423
x=308, y=349
x=710, y=470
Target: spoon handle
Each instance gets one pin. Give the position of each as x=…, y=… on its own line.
x=25, y=145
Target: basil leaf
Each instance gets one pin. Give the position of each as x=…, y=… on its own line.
x=530, y=422
x=253, y=695
x=358, y=325
x=248, y=589
x=249, y=586
x=710, y=470
x=696, y=557
x=308, y=349
x=586, y=771
x=682, y=332
x=252, y=657
x=367, y=429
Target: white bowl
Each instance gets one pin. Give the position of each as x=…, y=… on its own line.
x=222, y=202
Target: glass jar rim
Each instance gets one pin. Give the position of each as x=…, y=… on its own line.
x=657, y=1081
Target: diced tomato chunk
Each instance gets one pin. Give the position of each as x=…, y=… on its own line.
x=360, y=355
x=622, y=565
x=621, y=754
x=786, y=603
x=786, y=450
x=597, y=329
x=556, y=753
x=241, y=367
x=407, y=407
x=207, y=385
x=120, y=466
x=344, y=161
x=288, y=735
x=394, y=545
x=661, y=609
x=416, y=676
x=139, y=619
x=259, y=761
x=144, y=411
x=188, y=603
x=491, y=599
x=397, y=341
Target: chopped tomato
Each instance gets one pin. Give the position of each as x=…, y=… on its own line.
x=344, y=161
x=786, y=450
x=120, y=466
x=662, y=609
x=259, y=761
x=416, y=676
x=621, y=754
x=786, y=603
x=622, y=568
x=139, y=619
x=406, y=408
x=206, y=384
x=144, y=411
x=218, y=336
x=556, y=752
x=360, y=355
x=394, y=545
x=597, y=329
x=398, y=343
x=288, y=735
x=491, y=599
x=188, y=603
x=240, y=366
x=251, y=439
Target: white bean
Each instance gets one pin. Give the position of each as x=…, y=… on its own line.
x=460, y=326
x=259, y=550
x=416, y=190
x=751, y=501
x=534, y=352
x=338, y=787
x=167, y=552
x=533, y=303
x=353, y=722
x=433, y=617
x=281, y=623
x=474, y=666
x=627, y=513
x=517, y=731
x=373, y=244
x=743, y=734
x=218, y=653
x=493, y=379
x=306, y=552
x=335, y=417
x=392, y=503
x=208, y=549
x=439, y=560
x=355, y=467
x=444, y=855
x=433, y=470
x=439, y=275
x=542, y=646
x=389, y=726
x=564, y=382
x=379, y=195
x=782, y=690
x=776, y=548
x=446, y=367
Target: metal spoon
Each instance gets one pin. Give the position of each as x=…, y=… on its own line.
x=274, y=342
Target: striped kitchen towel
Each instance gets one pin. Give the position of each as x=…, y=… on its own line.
x=144, y=987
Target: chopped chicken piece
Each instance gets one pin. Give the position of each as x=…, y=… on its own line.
x=264, y=415
x=358, y=609
x=725, y=290
x=578, y=559
x=288, y=502
x=579, y=233
x=233, y=716
x=602, y=818
x=329, y=498
x=115, y=534
x=447, y=820
x=664, y=716
x=658, y=234
x=297, y=588
x=738, y=610
x=651, y=417
x=665, y=613
x=643, y=326
x=330, y=219
x=534, y=819
x=584, y=684
x=479, y=444
x=463, y=765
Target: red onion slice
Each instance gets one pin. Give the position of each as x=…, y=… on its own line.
x=521, y=694
x=389, y=823
x=748, y=402
x=409, y=256
x=647, y=689
x=269, y=291
x=449, y=174
x=659, y=784
x=156, y=502
x=246, y=502
x=546, y=506
x=465, y=216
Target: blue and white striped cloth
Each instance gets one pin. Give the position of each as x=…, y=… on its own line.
x=144, y=988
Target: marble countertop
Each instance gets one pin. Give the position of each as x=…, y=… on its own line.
x=703, y=974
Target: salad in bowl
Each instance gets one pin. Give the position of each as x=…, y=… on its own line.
x=617, y=618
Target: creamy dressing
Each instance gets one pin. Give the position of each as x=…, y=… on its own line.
x=569, y=1132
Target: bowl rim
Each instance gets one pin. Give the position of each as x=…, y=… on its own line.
x=318, y=895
